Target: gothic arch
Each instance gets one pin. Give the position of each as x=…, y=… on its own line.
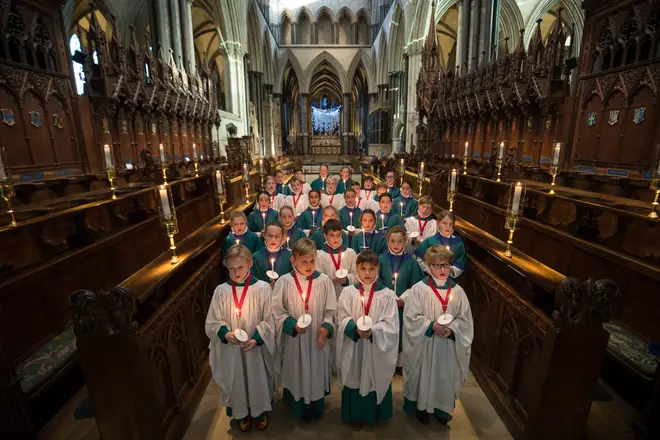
x=328, y=11
x=325, y=57
x=574, y=15
x=511, y=22
x=254, y=44
x=397, y=43
x=305, y=9
x=269, y=59
x=346, y=11
x=288, y=56
x=288, y=14
x=362, y=59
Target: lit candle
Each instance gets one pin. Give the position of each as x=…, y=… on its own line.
x=448, y=248
x=263, y=216
x=403, y=164
x=401, y=203
x=351, y=215
x=658, y=167
x=313, y=216
x=194, y=152
x=453, y=180
x=555, y=159
x=238, y=242
x=364, y=238
x=517, y=192
x=218, y=182
x=246, y=172
x=382, y=221
x=466, y=149
x=272, y=264
x=108, y=157
x=287, y=243
x=421, y=171
x=261, y=166
x=396, y=275
x=500, y=153
x=238, y=312
x=165, y=202
x=304, y=296
x=162, y=153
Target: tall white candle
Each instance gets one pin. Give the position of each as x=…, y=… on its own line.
x=194, y=152
x=108, y=156
x=555, y=159
x=466, y=149
x=453, y=181
x=287, y=242
x=351, y=215
x=261, y=166
x=401, y=203
x=517, y=192
x=272, y=264
x=382, y=221
x=500, y=153
x=263, y=216
x=313, y=216
x=396, y=275
x=165, y=202
x=218, y=182
x=162, y=153
x=364, y=238
x=246, y=172
x=3, y=175
x=658, y=167
x=421, y=171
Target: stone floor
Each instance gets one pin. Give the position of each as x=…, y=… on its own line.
x=474, y=418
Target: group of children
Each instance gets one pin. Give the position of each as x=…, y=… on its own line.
x=359, y=298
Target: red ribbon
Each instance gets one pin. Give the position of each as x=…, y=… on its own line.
x=300, y=291
x=237, y=303
x=421, y=228
x=332, y=199
x=368, y=194
x=295, y=201
x=337, y=263
x=367, y=306
x=445, y=301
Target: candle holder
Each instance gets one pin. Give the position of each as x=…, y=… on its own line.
x=452, y=188
x=465, y=162
x=554, y=170
x=655, y=185
x=262, y=174
x=402, y=171
x=420, y=177
x=500, y=160
x=7, y=192
x=246, y=181
x=220, y=194
x=167, y=213
x=110, y=172
x=516, y=198
x=499, y=170
x=110, y=169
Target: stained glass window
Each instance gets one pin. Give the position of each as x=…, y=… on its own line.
x=78, y=72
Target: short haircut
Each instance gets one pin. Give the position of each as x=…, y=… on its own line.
x=331, y=208
x=304, y=246
x=390, y=171
x=237, y=214
x=324, y=166
x=354, y=183
x=444, y=213
x=297, y=170
x=287, y=207
x=332, y=179
x=396, y=230
x=368, y=212
x=367, y=257
x=270, y=178
x=368, y=178
x=425, y=200
x=278, y=172
x=438, y=253
x=263, y=193
x=351, y=190
x=277, y=224
x=294, y=179
x=385, y=195
x=318, y=193
x=405, y=182
x=331, y=225
x=236, y=252
x=346, y=168
x=382, y=185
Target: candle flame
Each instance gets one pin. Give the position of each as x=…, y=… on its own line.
x=238, y=312
x=238, y=242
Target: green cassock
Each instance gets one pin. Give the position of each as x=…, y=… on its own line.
x=456, y=246
x=391, y=219
x=319, y=238
x=342, y=187
x=345, y=216
x=409, y=206
x=261, y=263
x=310, y=218
x=249, y=239
x=319, y=184
x=294, y=234
x=256, y=219
x=409, y=274
x=374, y=241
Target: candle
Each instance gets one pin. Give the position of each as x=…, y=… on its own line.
x=555, y=160
x=272, y=264
x=448, y=248
x=500, y=153
x=658, y=167
x=165, y=202
x=351, y=215
x=515, y=205
x=263, y=216
x=218, y=182
x=304, y=296
x=162, y=153
x=364, y=238
x=382, y=221
x=195, y=152
x=421, y=171
x=287, y=243
x=108, y=157
x=401, y=203
x=238, y=312
x=403, y=165
x=313, y=216
x=246, y=172
x=238, y=242
x=466, y=149
x=453, y=180
x=261, y=166
x=396, y=275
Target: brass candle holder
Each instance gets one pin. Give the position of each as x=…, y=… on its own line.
x=220, y=193
x=246, y=181
x=110, y=169
x=514, y=208
x=554, y=170
x=655, y=185
x=452, y=188
x=465, y=157
x=420, y=177
x=111, y=178
x=195, y=160
x=402, y=171
x=500, y=160
x=7, y=192
x=167, y=213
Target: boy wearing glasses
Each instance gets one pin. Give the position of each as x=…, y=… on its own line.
x=437, y=336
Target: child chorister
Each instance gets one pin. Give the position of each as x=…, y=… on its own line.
x=292, y=232
x=240, y=235
x=398, y=271
x=350, y=213
x=297, y=199
x=445, y=237
x=366, y=356
x=335, y=256
x=310, y=218
x=437, y=336
x=273, y=256
x=331, y=197
x=329, y=213
x=405, y=205
x=423, y=222
x=385, y=218
x=303, y=362
x=242, y=369
x=262, y=214
x=276, y=199
x=368, y=193
x=368, y=237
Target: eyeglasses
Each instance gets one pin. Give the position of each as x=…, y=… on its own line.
x=440, y=266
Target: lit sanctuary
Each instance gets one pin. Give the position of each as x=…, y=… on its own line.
x=399, y=219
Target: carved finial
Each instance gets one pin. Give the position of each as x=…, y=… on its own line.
x=588, y=302
x=108, y=313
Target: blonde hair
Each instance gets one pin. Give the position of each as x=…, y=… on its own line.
x=237, y=252
x=304, y=246
x=444, y=213
x=425, y=200
x=396, y=230
x=438, y=253
x=333, y=179
x=237, y=214
x=331, y=208
x=270, y=178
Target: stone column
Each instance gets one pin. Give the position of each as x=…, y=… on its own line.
x=335, y=32
x=484, y=31
x=315, y=33
x=278, y=126
x=412, y=116
x=187, y=36
x=346, y=115
x=473, y=44
x=163, y=17
x=235, y=87
x=460, y=37
x=176, y=30
x=304, y=122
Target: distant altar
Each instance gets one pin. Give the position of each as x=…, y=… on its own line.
x=325, y=145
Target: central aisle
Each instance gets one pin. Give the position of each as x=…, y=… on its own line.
x=474, y=418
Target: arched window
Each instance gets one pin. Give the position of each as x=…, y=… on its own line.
x=304, y=29
x=285, y=36
x=78, y=72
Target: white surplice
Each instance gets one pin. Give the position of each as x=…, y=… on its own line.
x=301, y=366
x=302, y=204
x=435, y=368
x=277, y=202
x=306, y=188
x=368, y=365
x=412, y=225
x=325, y=265
x=336, y=200
x=367, y=195
x=246, y=379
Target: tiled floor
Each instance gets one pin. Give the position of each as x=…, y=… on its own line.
x=474, y=418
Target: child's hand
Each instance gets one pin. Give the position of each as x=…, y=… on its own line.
x=249, y=345
x=339, y=280
x=438, y=329
x=231, y=338
x=301, y=331
x=323, y=334
x=364, y=335
x=399, y=302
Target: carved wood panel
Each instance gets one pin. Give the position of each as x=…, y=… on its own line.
x=37, y=131
x=611, y=129
x=638, y=146
x=588, y=125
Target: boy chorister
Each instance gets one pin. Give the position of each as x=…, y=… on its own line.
x=303, y=362
x=292, y=232
x=243, y=370
x=240, y=234
x=368, y=237
x=329, y=213
x=366, y=358
x=423, y=222
x=273, y=256
x=405, y=205
x=336, y=255
x=344, y=181
x=392, y=190
x=297, y=199
x=445, y=236
x=330, y=197
x=437, y=336
x=276, y=199
x=369, y=192
x=385, y=216
x=262, y=214
x=350, y=213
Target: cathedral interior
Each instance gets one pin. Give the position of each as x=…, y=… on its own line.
x=133, y=130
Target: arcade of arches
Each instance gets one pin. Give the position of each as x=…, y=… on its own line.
x=132, y=131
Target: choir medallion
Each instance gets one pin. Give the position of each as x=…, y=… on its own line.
x=57, y=121
x=591, y=119
x=35, y=119
x=614, y=117
x=8, y=116
x=640, y=115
